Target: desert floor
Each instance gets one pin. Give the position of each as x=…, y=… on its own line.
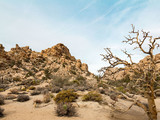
x=85, y=111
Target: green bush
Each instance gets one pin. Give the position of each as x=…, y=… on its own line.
x=121, y=89
x=66, y=96
x=92, y=96
x=1, y=89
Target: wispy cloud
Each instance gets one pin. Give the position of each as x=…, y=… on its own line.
x=107, y=11
x=88, y=5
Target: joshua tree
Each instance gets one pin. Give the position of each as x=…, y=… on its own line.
x=147, y=72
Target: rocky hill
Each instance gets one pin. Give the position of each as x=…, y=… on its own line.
x=143, y=63
x=22, y=64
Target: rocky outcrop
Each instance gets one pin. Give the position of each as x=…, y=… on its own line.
x=4, y=58
x=54, y=61
x=19, y=53
x=58, y=50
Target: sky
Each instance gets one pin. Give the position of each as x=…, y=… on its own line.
x=86, y=27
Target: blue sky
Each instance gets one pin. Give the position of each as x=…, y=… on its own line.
x=84, y=26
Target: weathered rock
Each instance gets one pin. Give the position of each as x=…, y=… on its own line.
x=84, y=67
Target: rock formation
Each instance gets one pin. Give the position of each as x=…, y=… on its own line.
x=23, y=63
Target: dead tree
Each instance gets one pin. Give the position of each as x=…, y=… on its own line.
x=147, y=72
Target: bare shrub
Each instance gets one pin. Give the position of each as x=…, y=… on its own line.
x=22, y=98
x=14, y=91
x=35, y=92
x=55, y=89
x=46, y=98
x=1, y=112
x=1, y=99
x=10, y=97
x=65, y=109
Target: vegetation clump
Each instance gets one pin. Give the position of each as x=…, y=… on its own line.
x=1, y=100
x=31, y=88
x=1, y=89
x=55, y=89
x=66, y=96
x=65, y=109
x=46, y=98
x=92, y=96
x=14, y=91
x=35, y=92
x=1, y=112
x=22, y=98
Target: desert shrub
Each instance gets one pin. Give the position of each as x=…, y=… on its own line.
x=67, y=57
x=16, y=79
x=81, y=80
x=64, y=64
x=26, y=60
x=12, y=63
x=1, y=99
x=34, y=82
x=1, y=112
x=92, y=96
x=46, y=98
x=31, y=88
x=66, y=96
x=88, y=74
x=51, y=95
x=76, y=82
x=72, y=72
x=14, y=91
x=121, y=89
x=35, y=92
x=18, y=63
x=59, y=81
x=23, y=89
x=69, y=87
x=30, y=73
x=40, y=88
x=45, y=91
x=65, y=109
x=22, y=98
x=56, y=69
x=47, y=73
x=34, y=69
x=1, y=89
x=10, y=97
x=81, y=88
x=102, y=84
x=37, y=101
x=55, y=89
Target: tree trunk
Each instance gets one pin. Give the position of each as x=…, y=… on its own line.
x=152, y=111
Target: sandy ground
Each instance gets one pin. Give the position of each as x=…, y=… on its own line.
x=86, y=111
